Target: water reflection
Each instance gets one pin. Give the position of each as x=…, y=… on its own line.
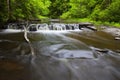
x=71, y=55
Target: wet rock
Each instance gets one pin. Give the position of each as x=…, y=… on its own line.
x=117, y=35
x=102, y=50
x=117, y=38
x=92, y=28
x=43, y=26
x=118, y=51
x=74, y=54
x=114, y=31
x=88, y=26
x=97, y=52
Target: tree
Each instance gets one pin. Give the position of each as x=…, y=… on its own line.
x=80, y=8
x=58, y=7
x=113, y=11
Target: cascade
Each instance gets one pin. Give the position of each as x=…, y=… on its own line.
x=51, y=26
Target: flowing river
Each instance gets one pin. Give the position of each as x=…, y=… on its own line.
x=59, y=55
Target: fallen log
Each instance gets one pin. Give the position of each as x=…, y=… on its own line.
x=87, y=25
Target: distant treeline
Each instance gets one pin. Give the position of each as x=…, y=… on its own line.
x=98, y=10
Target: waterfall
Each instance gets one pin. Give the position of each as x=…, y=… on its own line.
x=52, y=26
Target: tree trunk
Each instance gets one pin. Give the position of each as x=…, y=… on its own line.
x=9, y=10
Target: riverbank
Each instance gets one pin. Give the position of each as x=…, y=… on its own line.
x=109, y=27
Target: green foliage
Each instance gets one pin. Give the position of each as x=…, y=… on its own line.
x=13, y=10
x=106, y=10
x=3, y=11
x=97, y=10
x=66, y=15
x=58, y=7
x=113, y=11
x=79, y=8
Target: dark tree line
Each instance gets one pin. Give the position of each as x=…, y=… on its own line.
x=98, y=10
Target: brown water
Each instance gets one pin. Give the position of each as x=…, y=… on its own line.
x=59, y=55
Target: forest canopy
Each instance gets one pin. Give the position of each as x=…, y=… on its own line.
x=98, y=10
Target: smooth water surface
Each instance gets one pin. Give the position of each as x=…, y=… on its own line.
x=59, y=55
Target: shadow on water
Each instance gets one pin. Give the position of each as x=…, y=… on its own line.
x=59, y=56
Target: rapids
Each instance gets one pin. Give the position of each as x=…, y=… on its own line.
x=59, y=55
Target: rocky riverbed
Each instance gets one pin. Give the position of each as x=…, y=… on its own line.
x=114, y=31
x=77, y=54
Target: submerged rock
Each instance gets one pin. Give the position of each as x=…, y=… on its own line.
x=114, y=31
x=117, y=38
